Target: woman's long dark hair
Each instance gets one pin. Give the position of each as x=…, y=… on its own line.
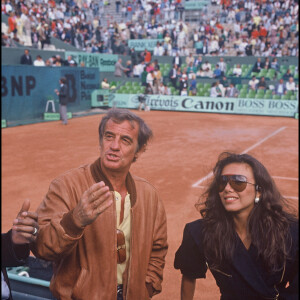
x=268, y=224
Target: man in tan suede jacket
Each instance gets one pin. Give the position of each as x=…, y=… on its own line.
x=104, y=228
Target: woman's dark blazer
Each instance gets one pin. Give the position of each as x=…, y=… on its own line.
x=245, y=278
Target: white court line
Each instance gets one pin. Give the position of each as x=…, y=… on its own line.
x=286, y=178
x=245, y=151
x=291, y=197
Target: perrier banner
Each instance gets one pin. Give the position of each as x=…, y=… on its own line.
x=105, y=62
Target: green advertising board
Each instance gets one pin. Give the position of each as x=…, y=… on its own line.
x=100, y=98
x=194, y=5
x=241, y=106
x=104, y=62
x=141, y=45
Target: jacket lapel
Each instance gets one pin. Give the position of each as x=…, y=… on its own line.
x=98, y=176
x=245, y=266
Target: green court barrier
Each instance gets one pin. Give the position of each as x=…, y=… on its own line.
x=55, y=116
x=297, y=116
x=3, y=124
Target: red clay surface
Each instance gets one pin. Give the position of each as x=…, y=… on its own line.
x=184, y=150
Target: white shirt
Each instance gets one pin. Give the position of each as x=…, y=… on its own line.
x=39, y=63
x=290, y=86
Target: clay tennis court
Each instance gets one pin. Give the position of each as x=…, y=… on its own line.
x=177, y=162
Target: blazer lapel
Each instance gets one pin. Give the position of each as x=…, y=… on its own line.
x=244, y=264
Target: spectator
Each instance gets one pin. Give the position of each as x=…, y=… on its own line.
x=232, y=91
x=198, y=62
x=157, y=75
x=262, y=85
x=206, y=67
x=237, y=71
x=280, y=88
x=267, y=64
x=138, y=69
x=147, y=56
x=70, y=61
x=287, y=75
x=224, y=81
x=119, y=68
x=191, y=70
x=26, y=58
x=183, y=85
x=190, y=59
x=39, y=62
x=164, y=89
x=158, y=50
x=105, y=194
x=150, y=67
x=35, y=37
x=217, y=72
x=275, y=64
x=104, y=84
x=193, y=86
x=173, y=75
x=177, y=60
x=290, y=85
x=15, y=244
x=215, y=91
x=253, y=83
x=150, y=78
x=222, y=66
x=129, y=68
x=258, y=65
x=144, y=77
x=148, y=89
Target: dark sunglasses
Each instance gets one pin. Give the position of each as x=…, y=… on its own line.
x=121, y=247
x=237, y=182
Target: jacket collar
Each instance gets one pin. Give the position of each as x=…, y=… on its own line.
x=98, y=176
x=243, y=263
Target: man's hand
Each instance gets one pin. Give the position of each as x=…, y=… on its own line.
x=93, y=202
x=25, y=226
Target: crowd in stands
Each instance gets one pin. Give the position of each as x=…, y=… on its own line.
x=240, y=28
x=253, y=27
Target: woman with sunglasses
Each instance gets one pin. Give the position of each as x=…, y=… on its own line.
x=245, y=237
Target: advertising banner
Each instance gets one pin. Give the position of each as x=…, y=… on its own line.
x=242, y=106
x=26, y=89
x=194, y=5
x=104, y=62
x=141, y=45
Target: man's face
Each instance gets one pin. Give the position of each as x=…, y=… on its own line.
x=118, y=146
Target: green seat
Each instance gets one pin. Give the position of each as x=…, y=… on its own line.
x=276, y=97
x=239, y=86
x=260, y=92
x=200, y=93
x=243, y=94
x=251, y=94
x=270, y=74
x=268, y=96
x=259, y=96
x=285, y=97
x=207, y=86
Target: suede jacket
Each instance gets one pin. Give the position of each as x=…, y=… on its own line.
x=85, y=264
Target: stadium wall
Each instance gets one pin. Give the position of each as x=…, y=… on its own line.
x=26, y=89
x=11, y=56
